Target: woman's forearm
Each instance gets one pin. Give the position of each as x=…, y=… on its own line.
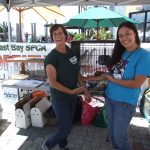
x=62, y=88
x=86, y=92
x=131, y=83
x=92, y=78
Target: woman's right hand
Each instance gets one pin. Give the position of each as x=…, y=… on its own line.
x=77, y=90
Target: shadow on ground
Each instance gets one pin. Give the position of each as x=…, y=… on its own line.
x=4, y=125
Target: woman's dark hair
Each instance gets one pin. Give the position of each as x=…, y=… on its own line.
x=55, y=27
x=119, y=48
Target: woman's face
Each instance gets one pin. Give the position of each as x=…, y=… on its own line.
x=127, y=38
x=59, y=37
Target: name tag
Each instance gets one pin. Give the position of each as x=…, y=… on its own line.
x=73, y=60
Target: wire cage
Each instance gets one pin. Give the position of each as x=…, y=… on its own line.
x=94, y=57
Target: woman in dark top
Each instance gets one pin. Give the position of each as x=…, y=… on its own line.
x=62, y=68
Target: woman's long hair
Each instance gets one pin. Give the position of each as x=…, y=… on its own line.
x=119, y=48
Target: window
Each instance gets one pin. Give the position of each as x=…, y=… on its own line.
x=143, y=17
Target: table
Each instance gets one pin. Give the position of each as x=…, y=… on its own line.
x=33, y=73
x=24, y=60
x=22, y=84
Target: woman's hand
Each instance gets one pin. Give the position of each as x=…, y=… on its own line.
x=77, y=90
x=92, y=78
x=87, y=95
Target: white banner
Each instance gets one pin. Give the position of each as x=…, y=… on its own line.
x=21, y=50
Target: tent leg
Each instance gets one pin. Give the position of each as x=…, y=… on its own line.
x=9, y=30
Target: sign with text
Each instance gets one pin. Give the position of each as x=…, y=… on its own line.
x=21, y=50
x=10, y=93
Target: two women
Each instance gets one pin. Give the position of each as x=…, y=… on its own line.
x=128, y=69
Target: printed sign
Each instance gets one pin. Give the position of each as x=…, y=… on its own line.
x=21, y=50
x=10, y=93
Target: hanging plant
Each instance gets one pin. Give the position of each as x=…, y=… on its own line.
x=78, y=37
x=104, y=34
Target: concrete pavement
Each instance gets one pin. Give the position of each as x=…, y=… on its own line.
x=81, y=137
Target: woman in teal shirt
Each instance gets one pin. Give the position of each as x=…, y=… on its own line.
x=62, y=69
x=128, y=69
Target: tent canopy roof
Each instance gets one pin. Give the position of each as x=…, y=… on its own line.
x=31, y=3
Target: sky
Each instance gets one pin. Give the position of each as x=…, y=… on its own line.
x=28, y=18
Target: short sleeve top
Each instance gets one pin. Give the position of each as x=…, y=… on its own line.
x=67, y=69
x=137, y=64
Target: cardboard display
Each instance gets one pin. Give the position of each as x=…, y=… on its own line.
x=30, y=111
x=37, y=118
x=22, y=113
x=22, y=116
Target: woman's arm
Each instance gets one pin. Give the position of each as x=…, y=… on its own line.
x=87, y=95
x=51, y=73
x=131, y=83
x=91, y=78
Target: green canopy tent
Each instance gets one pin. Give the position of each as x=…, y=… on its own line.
x=96, y=17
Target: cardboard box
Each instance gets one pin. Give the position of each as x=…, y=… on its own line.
x=30, y=110
x=22, y=116
x=22, y=113
x=37, y=118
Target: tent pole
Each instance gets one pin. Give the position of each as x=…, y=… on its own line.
x=9, y=29
x=97, y=21
x=20, y=26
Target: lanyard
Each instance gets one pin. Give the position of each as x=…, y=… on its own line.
x=124, y=61
x=119, y=66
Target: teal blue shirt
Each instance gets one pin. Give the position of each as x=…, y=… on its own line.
x=136, y=63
